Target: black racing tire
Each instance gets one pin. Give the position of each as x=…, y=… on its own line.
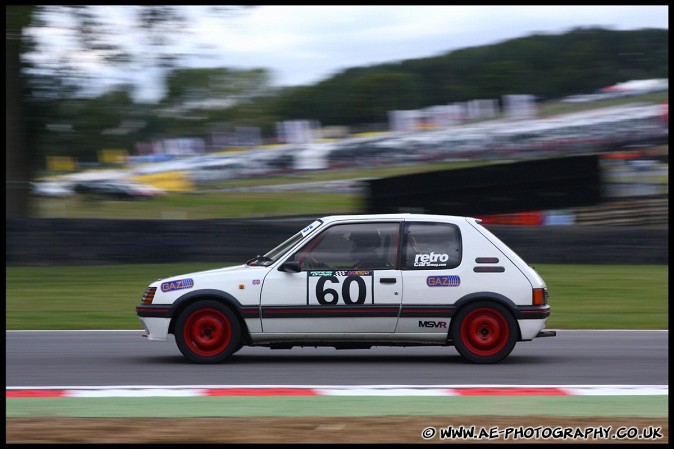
x=484, y=332
x=208, y=332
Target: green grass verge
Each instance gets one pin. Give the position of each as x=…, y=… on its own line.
x=607, y=296
x=201, y=206
x=284, y=406
x=105, y=297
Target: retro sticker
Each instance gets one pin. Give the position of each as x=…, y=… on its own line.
x=431, y=260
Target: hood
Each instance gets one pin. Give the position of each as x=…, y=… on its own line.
x=208, y=273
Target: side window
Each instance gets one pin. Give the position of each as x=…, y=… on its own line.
x=362, y=246
x=431, y=246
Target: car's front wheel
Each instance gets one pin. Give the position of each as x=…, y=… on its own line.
x=208, y=332
x=484, y=332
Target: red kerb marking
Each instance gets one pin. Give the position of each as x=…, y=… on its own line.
x=510, y=392
x=34, y=393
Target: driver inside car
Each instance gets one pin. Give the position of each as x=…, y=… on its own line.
x=364, y=250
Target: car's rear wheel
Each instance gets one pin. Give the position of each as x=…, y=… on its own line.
x=208, y=332
x=484, y=332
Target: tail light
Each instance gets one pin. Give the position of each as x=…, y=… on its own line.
x=540, y=296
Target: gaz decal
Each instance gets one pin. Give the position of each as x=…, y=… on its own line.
x=348, y=287
x=443, y=281
x=180, y=284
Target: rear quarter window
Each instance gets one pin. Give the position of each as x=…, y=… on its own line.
x=431, y=246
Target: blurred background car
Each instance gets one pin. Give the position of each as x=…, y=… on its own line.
x=51, y=189
x=120, y=190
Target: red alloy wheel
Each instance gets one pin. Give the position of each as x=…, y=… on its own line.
x=484, y=332
x=207, y=332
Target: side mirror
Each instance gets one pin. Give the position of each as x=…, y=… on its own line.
x=290, y=267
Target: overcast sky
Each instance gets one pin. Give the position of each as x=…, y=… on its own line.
x=306, y=44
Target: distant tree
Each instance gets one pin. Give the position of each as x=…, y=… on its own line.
x=371, y=96
x=198, y=86
x=17, y=159
x=547, y=66
x=28, y=100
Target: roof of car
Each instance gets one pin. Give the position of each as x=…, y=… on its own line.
x=397, y=216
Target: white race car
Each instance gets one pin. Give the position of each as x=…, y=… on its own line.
x=357, y=281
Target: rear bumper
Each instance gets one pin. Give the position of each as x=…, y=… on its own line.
x=533, y=312
x=530, y=329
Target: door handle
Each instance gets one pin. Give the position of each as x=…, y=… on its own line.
x=387, y=280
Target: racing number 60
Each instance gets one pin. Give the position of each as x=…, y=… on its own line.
x=322, y=292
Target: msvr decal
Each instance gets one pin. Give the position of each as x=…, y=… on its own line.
x=442, y=324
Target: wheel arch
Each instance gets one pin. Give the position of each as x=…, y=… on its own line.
x=218, y=295
x=486, y=296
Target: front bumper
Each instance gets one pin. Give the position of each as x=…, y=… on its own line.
x=156, y=328
x=156, y=320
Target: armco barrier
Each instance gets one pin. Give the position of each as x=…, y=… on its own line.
x=61, y=241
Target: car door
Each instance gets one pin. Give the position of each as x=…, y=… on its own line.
x=432, y=276
x=349, y=282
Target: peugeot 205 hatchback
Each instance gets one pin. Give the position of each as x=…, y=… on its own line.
x=357, y=281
